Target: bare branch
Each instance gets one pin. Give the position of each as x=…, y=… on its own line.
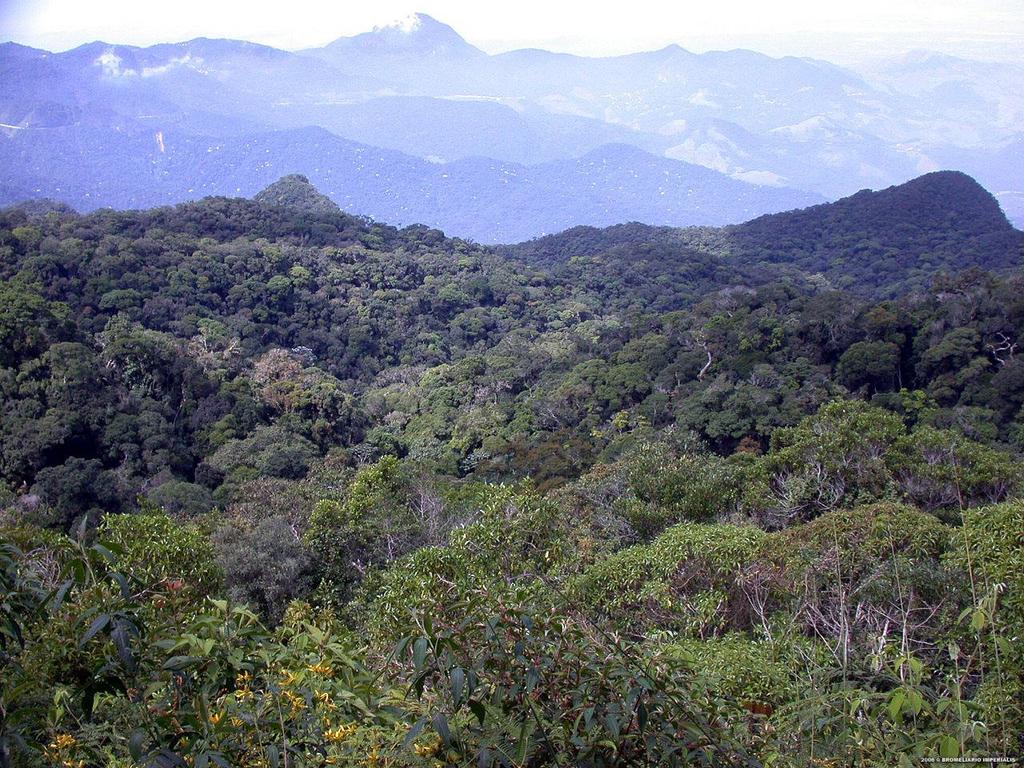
x=1002, y=348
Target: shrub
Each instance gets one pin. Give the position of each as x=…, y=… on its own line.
x=155, y=548
x=867, y=574
x=755, y=673
x=519, y=536
x=941, y=470
x=265, y=564
x=670, y=489
x=990, y=548
x=181, y=499
x=832, y=459
x=684, y=579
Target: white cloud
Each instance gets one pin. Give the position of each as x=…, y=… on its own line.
x=111, y=64
x=186, y=60
x=408, y=23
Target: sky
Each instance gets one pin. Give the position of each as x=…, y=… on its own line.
x=838, y=30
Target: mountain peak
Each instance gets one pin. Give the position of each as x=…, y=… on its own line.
x=416, y=33
x=922, y=57
x=936, y=201
x=942, y=218
x=410, y=24
x=954, y=194
x=295, y=191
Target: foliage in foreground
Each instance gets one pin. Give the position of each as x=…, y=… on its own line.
x=868, y=636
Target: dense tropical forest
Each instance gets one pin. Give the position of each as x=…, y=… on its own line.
x=280, y=486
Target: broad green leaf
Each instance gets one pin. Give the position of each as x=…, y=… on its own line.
x=415, y=731
x=458, y=682
x=97, y=625
x=419, y=652
x=896, y=704
x=178, y=663
x=949, y=747
x=978, y=620
x=641, y=714
x=440, y=723
x=135, y=744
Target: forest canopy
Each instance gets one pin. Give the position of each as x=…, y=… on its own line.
x=282, y=486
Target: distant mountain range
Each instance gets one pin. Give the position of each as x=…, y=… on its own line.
x=486, y=200
x=411, y=123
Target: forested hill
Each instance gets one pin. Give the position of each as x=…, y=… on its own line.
x=881, y=242
x=280, y=486
x=872, y=243
x=181, y=335
x=295, y=191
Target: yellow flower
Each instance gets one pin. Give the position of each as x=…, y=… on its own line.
x=342, y=732
x=324, y=670
x=64, y=741
x=289, y=678
x=295, y=700
x=325, y=700
x=216, y=717
x=54, y=751
x=430, y=748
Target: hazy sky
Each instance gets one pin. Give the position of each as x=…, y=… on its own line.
x=838, y=30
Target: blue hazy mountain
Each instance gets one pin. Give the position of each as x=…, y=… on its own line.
x=487, y=200
x=108, y=124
